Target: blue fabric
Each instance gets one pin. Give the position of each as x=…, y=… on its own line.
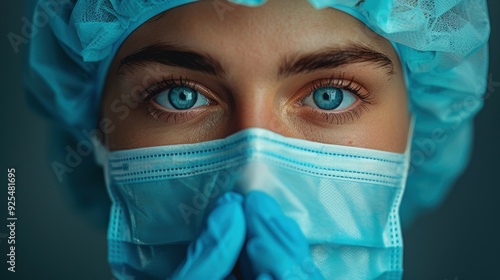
x=442, y=45
x=343, y=202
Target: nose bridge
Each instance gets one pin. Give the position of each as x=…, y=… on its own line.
x=254, y=89
x=255, y=106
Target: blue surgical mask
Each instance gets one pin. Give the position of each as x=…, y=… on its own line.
x=345, y=200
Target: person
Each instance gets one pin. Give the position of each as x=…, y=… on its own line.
x=267, y=140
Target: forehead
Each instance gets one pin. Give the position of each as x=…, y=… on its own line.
x=277, y=28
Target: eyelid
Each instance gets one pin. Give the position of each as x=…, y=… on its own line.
x=315, y=115
x=168, y=116
x=164, y=83
x=355, y=88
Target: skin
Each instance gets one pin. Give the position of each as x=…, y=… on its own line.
x=250, y=44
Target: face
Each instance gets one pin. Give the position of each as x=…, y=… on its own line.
x=204, y=71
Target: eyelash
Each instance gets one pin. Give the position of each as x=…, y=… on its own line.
x=164, y=84
x=338, y=118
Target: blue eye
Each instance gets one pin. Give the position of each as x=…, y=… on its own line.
x=329, y=98
x=181, y=98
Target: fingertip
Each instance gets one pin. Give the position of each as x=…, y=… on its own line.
x=228, y=210
x=228, y=215
x=261, y=203
x=265, y=218
x=264, y=276
x=229, y=197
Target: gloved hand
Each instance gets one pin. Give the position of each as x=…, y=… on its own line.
x=215, y=252
x=275, y=246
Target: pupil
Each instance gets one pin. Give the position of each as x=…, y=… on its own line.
x=326, y=96
x=183, y=96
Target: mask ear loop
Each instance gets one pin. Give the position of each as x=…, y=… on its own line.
x=407, y=153
x=100, y=152
x=101, y=158
x=410, y=135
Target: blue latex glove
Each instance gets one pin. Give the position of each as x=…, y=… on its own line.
x=275, y=248
x=215, y=252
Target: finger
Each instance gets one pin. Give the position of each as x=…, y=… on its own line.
x=217, y=248
x=265, y=218
x=275, y=245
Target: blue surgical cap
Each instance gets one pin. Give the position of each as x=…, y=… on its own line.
x=442, y=45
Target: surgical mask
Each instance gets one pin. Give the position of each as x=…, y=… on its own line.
x=345, y=200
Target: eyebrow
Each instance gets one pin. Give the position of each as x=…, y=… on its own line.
x=173, y=56
x=334, y=57
x=327, y=58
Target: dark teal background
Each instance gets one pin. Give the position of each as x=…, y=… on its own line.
x=460, y=240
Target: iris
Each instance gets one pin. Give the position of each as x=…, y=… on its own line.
x=328, y=98
x=182, y=98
